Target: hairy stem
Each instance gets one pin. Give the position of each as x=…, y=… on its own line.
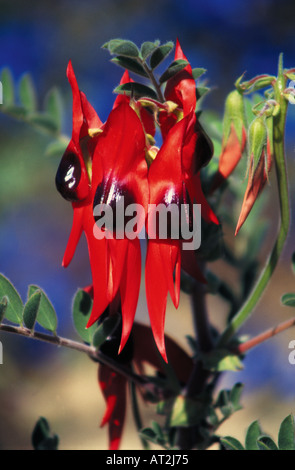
x=81, y=347
x=154, y=81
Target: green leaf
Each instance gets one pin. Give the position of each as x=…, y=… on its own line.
x=147, y=48
x=253, y=433
x=46, y=314
x=235, y=396
x=173, y=69
x=104, y=330
x=42, y=439
x=31, y=310
x=18, y=112
x=82, y=306
x=136, y=89
x=186, y=412
x=14, y=308
x=148, y=434
x=230, y=443
x=122, y=47
x=221, y=360
x=198, y=72
x=293, y=262
x=56, y=148
x=288, y=300
x=160, y=54
x=43, y=122
x=202, y=91
x=3, y=307
x=130, y=64
x=53, y=106
x=286, y=439
x=266, y=443
x=7, y=87
x=27, y=93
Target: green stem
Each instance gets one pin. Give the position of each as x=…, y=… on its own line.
x=153, y=80
x=280, y=165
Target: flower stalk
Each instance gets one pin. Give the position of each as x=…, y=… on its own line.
x=279, y=121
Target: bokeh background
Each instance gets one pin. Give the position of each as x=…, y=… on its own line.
x=227, y=38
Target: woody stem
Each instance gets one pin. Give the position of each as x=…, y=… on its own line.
x=281, y=172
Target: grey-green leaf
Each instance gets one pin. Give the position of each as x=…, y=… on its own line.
x=46, y=314
x=147, y=48
x=104, y=330
x=56, y=148
x=82, y=306
x=173, y=69
x=286, y=439
x=54, y=106
x=293, y=262
x=160, y=54
x=43, y=122
x=130, y=64
x=14, y=308
x=253, y=433
x=288, y=299
x=136, y=89
x=3, y=307
x=266, y=443
x=31, y=310
x=230, y=443
x=7, y=87
x=27, y=93
x=198, y=72
x=123, y=47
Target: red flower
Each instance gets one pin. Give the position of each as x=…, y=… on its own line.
x=114, y=385
x=174, y=178
x=74, y=172
x=119, y=173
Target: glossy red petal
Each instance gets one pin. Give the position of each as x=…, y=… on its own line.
x=129, y=288
x=181, y=88
x=156, y=293
x=75, y=235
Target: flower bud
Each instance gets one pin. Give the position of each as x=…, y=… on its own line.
x=234, y=138
x=260, y=161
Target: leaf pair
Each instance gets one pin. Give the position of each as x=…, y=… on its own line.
x=21, y=103
x=257, y=440
x=38, y=307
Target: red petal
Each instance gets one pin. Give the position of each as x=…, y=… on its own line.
x=230, y=157
x=196, y=194
x=75, y=235
x=113, y=387
x=129, y=288
x=156, y=293
x=181, y=88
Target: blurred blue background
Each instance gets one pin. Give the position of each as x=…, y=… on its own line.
x=227, y=38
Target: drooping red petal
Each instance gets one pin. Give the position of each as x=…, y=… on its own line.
x=113, y=387
x=75, y=235
x=156, y=293
x=129, y=288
